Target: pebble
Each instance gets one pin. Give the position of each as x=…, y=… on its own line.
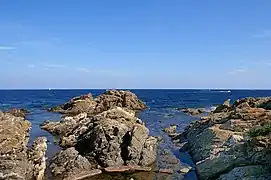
x=185, y=170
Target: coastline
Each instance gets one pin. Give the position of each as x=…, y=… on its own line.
x=167, y=117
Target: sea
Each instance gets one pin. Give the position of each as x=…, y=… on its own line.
x=162, y=111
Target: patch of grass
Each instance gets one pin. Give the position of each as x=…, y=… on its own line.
x=261, y=131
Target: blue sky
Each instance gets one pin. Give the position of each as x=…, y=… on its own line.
x=135, y=44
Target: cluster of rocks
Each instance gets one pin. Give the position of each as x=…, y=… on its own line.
x=232, y=142
x=101, y=134
x=16, y=160
x=105, y=101
x=192, y=111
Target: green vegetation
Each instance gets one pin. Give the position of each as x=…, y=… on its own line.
x=266, y=105
x=261, y=131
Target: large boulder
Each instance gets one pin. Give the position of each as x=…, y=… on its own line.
x=225, y=141
x=16, y=160
x=113, y=138
x=108, y=100
x=119, y=98
x=70, y=165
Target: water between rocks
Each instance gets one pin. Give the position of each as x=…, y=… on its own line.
x=161, y=114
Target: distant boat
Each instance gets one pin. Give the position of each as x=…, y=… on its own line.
x=49, y=89
x=225, y=91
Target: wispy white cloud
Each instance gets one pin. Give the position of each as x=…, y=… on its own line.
x=85, y=70
x=6, y=47
x=104, y=72
x=237, y=71
x=55, y=66
x=262, y=63
x=264, y=34
x=31, y=66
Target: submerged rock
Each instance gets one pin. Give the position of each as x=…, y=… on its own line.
x=232, y=137
x=192, y=111
x=16, y=160
x=108, y=100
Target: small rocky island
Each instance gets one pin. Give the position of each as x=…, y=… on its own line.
x=101, y=134
x=233, y=142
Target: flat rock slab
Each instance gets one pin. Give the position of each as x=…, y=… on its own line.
x=165, y=171
x=126, y=169
x=85, y=174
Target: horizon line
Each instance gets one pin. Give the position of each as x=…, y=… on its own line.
x=1, y=89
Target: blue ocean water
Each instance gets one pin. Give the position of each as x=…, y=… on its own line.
x=161, y=113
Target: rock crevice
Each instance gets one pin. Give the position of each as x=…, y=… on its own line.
x=106, y=135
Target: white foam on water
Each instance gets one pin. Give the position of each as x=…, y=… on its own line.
x=210, y=109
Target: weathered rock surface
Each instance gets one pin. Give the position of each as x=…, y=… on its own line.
x=255, y=172
x=69, y=164
x=18, y=112
x=16, y=160
x=225, y=107
x=172, y=131
x=108, y=100
x=192, y=111
x=110, y=138
x=169, y=166
x=233, y=142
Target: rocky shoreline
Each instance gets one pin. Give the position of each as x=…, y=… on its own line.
x=17, y=161
x=103, y=135
x=232, y=142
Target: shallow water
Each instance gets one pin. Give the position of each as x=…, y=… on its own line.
x=161, y=114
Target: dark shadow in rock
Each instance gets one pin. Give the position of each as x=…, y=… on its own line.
x=126, y=141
